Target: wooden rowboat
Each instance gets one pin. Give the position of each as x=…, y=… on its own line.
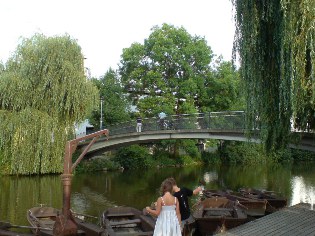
x=252, y=207
x=42, y=220
x=119, y=221
x=213, y=215
x=274, y=200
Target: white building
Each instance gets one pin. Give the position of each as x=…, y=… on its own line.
x=80, y=129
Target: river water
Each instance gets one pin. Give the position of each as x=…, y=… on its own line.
x=94, y=193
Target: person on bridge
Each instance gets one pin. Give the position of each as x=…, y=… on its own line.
x=167, y=211
x=162, y=122
x=139, y=124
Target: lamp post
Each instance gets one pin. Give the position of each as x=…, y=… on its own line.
x=101, y=119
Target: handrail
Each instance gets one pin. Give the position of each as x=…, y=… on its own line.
x=234, y=120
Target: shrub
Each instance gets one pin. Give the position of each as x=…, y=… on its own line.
x=163, y=159
x=133, y=157
x=210, y=157
x=186, y=160
x=98, y=164
x=302, y=155
x=190, y=148
x=283, y=155
x=242, y=152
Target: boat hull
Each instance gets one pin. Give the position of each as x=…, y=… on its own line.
x=127, y=221
x=216, y=214
x=252, y=207
x=274, y=202
x=44, y=218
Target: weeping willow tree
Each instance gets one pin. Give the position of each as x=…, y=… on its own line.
x=43, y=92
x=275, y=42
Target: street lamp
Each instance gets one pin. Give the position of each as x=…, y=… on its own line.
x=101, y=119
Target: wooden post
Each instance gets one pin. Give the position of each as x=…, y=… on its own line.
x=65, y=225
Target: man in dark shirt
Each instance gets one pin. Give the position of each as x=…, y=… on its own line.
x=182, y=195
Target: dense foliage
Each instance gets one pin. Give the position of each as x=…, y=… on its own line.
x=115, y=106
x=139, y=157
x=43, y=92
x=133, y=157
x=171, y=72
x=275, y=42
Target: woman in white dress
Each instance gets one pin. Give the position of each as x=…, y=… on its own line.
x=167, y=211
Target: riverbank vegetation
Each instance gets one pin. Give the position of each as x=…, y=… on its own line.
x=137, y=157
x=229, y=153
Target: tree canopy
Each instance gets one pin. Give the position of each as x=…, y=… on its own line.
x=115, y=105
x=43, y=92
x=171, y=72
x=163, y=71
x=275, y=42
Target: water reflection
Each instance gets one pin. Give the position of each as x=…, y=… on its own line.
x=301, y=192
x=94, y=193
x=210, y=177
x=17, y=194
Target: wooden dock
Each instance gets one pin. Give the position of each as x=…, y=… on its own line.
x=290, y=221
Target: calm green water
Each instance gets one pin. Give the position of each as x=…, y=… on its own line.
x=93, y=193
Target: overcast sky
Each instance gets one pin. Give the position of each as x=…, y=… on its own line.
x=104, y=27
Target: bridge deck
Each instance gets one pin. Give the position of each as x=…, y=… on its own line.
x=291, y=221
x=124, y=139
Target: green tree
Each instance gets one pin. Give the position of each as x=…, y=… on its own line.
x=43, y=92
x=162, y=74
x=275, y=41
x=115, y=105
x=222, y=89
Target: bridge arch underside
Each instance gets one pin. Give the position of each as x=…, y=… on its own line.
x=116, y=141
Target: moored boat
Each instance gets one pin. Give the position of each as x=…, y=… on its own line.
x=275, y=201
x=216, y=214
x=252, y=207
x=42, y=220
x=120, y=221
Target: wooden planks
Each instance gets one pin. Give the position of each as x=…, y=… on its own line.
x=290, y=221
x=120, y=214
x=125, y=222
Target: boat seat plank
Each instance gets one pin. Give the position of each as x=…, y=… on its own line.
x=125, y=222
x=217, y=209
x=46, y=214
x=81, y=232
x=146, y=233
x=134, y=234
x=120, y=214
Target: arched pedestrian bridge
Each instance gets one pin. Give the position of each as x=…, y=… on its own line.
x=202, y=126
